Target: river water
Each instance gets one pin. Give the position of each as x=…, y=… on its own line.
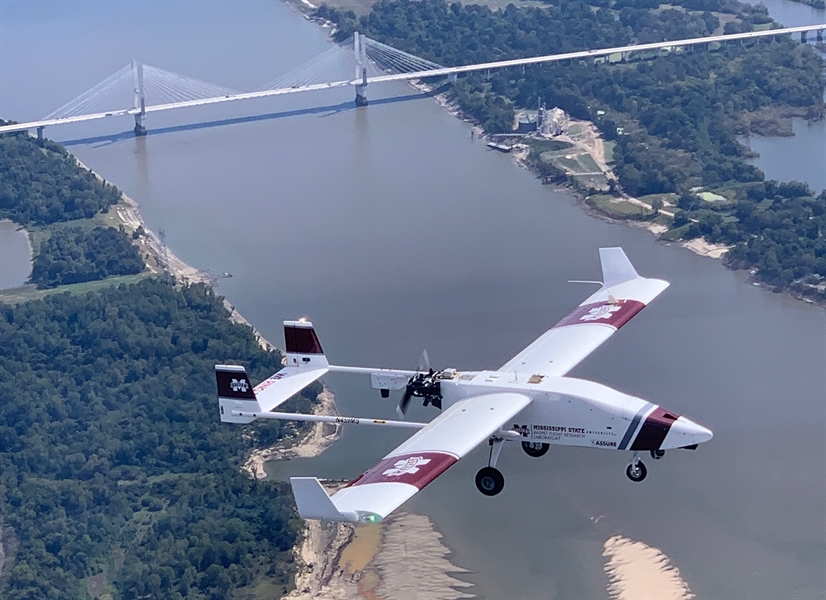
x=802, y=157
x=15, y=255
x=395, y=232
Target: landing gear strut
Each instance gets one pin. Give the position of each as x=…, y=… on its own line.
x=636, y=471
x=535, y=449
x=489, y=480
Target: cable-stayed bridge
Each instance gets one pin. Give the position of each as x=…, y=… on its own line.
x=139, y=89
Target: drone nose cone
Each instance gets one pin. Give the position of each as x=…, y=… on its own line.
x=685, y=432
x=699, y=433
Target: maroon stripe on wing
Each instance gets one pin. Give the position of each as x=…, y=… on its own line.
x=654, y=429
x=615, y=314
x=415, y=468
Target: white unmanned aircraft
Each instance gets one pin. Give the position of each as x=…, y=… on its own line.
x=528, y=400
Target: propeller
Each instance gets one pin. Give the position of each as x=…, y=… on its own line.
x=401, y=409
x=424, y=362
x=423, y=384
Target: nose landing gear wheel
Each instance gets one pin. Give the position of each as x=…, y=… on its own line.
x=636, y=471
x=489, y=481
x=535, y=449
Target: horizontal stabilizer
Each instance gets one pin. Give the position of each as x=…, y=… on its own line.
x=276, y=390
x=313, y=502
x=236, y=394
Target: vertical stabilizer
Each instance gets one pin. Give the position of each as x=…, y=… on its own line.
x=302, y=345
x=235, y=393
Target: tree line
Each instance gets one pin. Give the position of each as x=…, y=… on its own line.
x=113, y=460
x=41, y=183
x=775, y=228
x=675, y=117
x=75, y=255
x=112, y=456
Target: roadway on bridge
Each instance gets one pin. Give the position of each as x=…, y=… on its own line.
x=376, y=57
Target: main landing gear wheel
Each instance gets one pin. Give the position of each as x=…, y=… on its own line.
x=657, y=454
x=489, y=481
x=535, y=449
x=636, y=471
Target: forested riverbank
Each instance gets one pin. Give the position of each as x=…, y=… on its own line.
x=672, y=120
x=116, y=476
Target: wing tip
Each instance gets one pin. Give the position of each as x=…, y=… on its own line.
x=616, y=267
x=313, y=502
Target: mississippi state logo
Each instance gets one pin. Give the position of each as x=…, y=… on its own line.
x=238, y=386
x=410, y=465
x=600, y=312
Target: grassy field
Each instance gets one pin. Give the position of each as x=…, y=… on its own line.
x=598, y=182
x=618, y=209
x=609, y=151
x=30, y=291
x=542, y=146
x=666, y=198
x=38, y=235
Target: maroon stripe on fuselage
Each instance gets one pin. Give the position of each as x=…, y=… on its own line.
x=614, y=314
x=415, y=468
x=301, y=340
x=654, y=429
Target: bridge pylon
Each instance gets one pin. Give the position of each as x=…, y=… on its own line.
x=361, y=69
x=140, y=98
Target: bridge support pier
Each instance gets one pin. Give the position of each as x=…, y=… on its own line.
x=819, y=36
x=803, y=37
x=140, y=130
x=40, y=132
x=361, y=94
x=361, y=69
x=140, y=99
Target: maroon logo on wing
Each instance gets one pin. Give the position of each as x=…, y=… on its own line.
x=616, y=314
x=414, y=468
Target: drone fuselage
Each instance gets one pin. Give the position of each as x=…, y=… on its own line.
x=575, y=412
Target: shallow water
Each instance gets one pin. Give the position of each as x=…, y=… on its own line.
x=15, y=255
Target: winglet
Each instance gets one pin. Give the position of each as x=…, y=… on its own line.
x=313, y=502
x=616, y=268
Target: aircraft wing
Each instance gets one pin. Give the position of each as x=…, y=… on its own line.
x=623, y=295
x=418, y=461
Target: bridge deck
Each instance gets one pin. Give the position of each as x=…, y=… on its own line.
x=421, y=75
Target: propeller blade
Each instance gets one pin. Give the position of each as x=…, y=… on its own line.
x=401, y=409
x=424, y=362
